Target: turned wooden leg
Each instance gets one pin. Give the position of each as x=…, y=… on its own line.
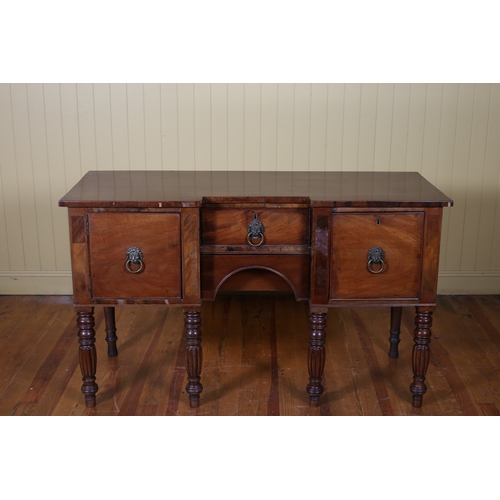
x=194, y=357
x=316, y=356
x=395, y=331
x=88, y=358
x=421, y=353
x=111, y=338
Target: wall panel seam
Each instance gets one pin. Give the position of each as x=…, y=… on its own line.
x=111, y=128
x=326, y=123
x=376, y=128
x=211, y=131
x=310, y=128
x=453, y=161
x=293, y=125
x=482, y=179
x=468, y=170
x=5, y=217
x=128, y=123
x=33, y=177
x=95, y=128
x=48, y=169
x=392, y=123
x=17, y=174
x=359, y=124
x=407, y=129
x=423, y=131
x=496, y=210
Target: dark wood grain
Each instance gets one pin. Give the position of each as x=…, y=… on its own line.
x=190, y=234
x=88, y=357
x=80, y=262
x=78, y=228
x=316, y=356
x=111, y=338
x=320, y=256
x=421, y=354
x=194, y=355
x=395, y=331
x=430, y=254
x=163, y=189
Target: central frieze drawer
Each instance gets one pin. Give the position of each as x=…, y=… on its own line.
x=229, y=226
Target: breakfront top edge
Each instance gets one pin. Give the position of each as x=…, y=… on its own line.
x=164, y=188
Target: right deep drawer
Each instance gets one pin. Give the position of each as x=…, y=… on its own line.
x=376, y=255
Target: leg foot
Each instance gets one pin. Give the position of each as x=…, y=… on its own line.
x=194, y=357
x=395, y=331
x=421, y=354
x=111, y=338
x=316, y=356
x=88, y=359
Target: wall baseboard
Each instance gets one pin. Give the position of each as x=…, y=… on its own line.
x=469, y=283
x=59, y=283
x=36, y=283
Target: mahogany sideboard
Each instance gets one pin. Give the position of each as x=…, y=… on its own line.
x=176, y=238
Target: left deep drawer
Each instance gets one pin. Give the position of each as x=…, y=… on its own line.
x=135, y=255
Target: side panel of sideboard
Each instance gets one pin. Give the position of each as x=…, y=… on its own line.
x=430, y=257
x=80, y=261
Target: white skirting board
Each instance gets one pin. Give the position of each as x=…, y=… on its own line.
x=59, y=283
x=35, y=283
x=469, y=283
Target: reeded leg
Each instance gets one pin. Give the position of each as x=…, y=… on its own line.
x=316, y=356
x=395, y=331
x=421, y=353
x=194, y=357
x=88, y=359
x=111, y=338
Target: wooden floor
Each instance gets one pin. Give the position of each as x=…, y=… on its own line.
x=254, y=350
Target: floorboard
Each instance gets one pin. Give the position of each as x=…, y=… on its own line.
x=254, y=360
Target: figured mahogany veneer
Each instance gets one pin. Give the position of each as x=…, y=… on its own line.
x=228, y=226
x=400, y=237
x=177, y=238
x=158, y=237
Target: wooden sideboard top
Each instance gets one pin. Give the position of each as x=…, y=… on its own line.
x=163, y=188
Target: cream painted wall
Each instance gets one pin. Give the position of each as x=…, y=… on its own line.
x=51, y=134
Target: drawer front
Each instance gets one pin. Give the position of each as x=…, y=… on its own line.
x=158, y=238
x=399, y=235
x=229, y=226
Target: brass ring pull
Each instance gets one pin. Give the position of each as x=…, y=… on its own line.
x=127, y=265
x=255, y=231
x=259, y=235
x=369, y=265
x=375, y=256
x=134, y=256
